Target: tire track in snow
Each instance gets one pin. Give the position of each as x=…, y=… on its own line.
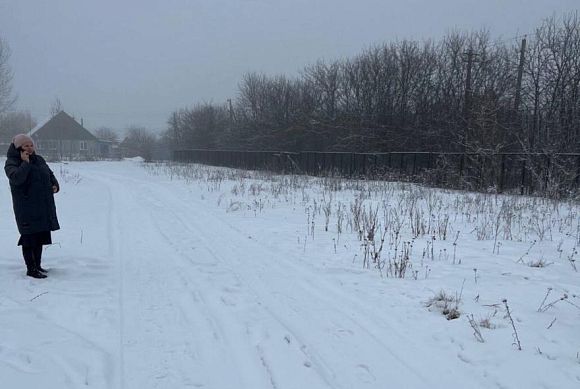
x=162, y=213
x=375, y=327
x=114, y=251
x=338, y=305
x=196, y=294
x=190, y=307
x=323, y=368
x=144, y=185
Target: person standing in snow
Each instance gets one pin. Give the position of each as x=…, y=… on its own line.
x=33, y=185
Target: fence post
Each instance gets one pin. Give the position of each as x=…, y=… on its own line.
x=502, y=173
x=317, y=163
x=547, y=172
x=351, y=168
x=578, y=170
x=402, y=157
x=481, y=179
x=364, y=164
x=523, y=176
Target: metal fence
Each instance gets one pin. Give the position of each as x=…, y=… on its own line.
x=552, y=174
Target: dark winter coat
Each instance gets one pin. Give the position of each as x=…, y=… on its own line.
x=32, y=196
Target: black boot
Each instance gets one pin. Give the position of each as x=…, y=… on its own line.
x=32, y=271
x=35, y=274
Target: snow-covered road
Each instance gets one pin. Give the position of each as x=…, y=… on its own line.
x=150, y=286
x=210, y=307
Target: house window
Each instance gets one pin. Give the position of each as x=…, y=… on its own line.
x=84, y=145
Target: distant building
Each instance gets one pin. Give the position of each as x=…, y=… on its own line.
x=62, y=137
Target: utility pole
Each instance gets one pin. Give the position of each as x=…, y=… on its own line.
x=468, y=95
x=231, y=110
x=467, y=105
x=520, y=74
x=175, y=130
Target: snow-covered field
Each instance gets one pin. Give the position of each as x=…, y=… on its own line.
x=190, y=276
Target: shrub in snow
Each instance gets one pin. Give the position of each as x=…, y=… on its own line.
x=539, y=263
x=446, y=304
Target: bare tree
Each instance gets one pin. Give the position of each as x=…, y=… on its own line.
x=139, y=142
x=55, y=107
x=323, y=79
x=108, y=134
x=6, y=97
x=12, y=123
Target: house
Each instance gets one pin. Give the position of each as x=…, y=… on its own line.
x=62, y=137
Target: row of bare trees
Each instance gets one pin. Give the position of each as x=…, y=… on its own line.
x=409, y=96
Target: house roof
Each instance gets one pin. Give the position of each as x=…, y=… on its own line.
x=40, y=124
x=61, y=126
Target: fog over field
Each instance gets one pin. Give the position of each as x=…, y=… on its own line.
x=118, y=64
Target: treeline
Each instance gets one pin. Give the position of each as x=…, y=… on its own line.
x=464, y=92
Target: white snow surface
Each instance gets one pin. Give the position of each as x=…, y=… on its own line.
x=201, y=277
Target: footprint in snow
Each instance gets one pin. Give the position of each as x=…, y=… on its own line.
x=363, y=373
x=227, y=301
x=343, y=332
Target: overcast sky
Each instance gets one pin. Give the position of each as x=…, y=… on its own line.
x=132, y=62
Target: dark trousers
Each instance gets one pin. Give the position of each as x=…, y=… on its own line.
x=32, y=257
